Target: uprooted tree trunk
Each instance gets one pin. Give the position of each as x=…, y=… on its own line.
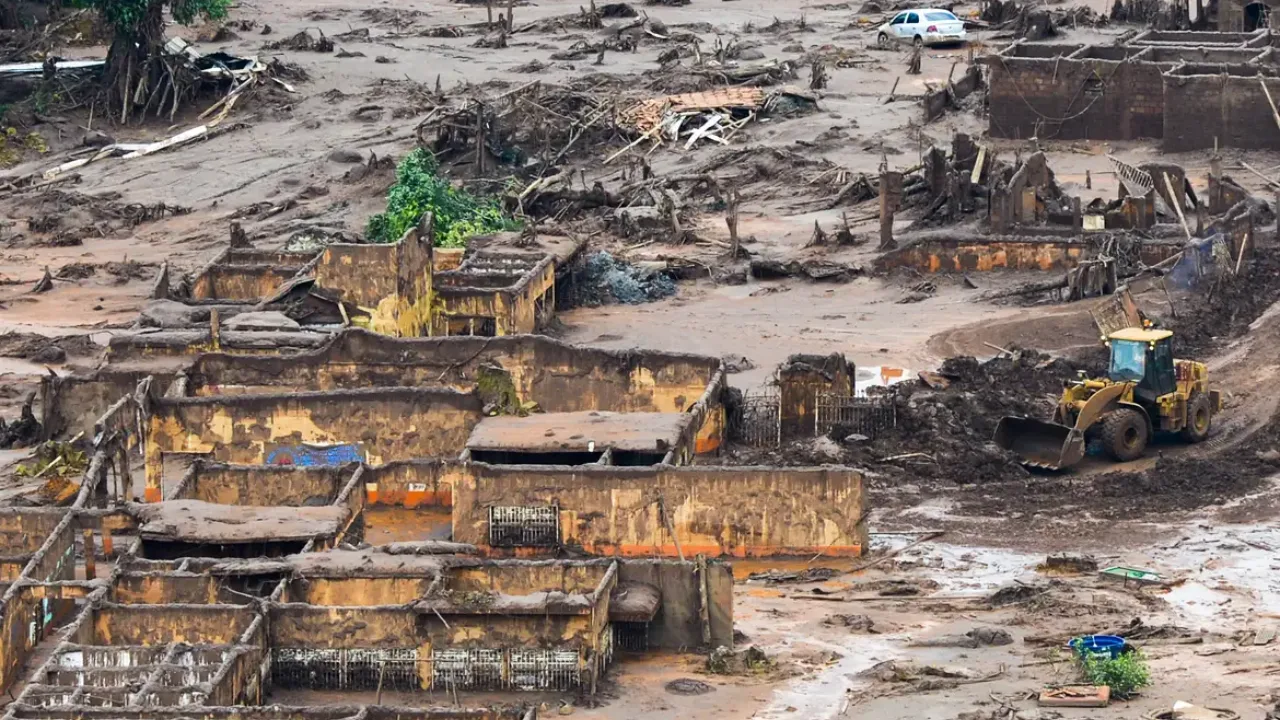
x=138, y=77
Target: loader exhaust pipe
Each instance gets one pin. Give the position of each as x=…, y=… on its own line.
x=1040, y=444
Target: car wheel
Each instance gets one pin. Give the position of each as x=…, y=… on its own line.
x=918, y=42
x=882, y=40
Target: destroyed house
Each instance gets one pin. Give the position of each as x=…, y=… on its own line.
x=517, y=446
x=1189, y=89
x=185, y=617
x=251, y=300
x=493, y=294
x=378, y=399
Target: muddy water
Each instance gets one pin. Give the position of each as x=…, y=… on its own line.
x=386, y=524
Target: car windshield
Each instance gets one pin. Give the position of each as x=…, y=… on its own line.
x=941, y=15
x=1128, y=360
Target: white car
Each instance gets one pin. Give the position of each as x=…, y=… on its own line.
x=926, y=26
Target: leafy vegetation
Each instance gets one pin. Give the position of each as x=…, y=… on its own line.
x=54, y=458
x=129, y=15
x=1125, y=674
x=14, y=144
x=419, y=189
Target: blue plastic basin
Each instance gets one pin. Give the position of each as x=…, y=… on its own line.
x=1109, y=645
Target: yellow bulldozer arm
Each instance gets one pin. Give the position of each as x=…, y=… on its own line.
x=1052, y=445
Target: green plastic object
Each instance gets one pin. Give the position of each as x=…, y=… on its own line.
x=1129, y=573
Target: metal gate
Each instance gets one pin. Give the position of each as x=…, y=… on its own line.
x=345, y=668
x=505, y=669
x=761, y=422
x=524, y=526
x=861, y=415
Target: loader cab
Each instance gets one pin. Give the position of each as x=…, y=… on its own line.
x=1146, y=357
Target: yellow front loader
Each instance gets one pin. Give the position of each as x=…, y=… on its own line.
x=1145, y=391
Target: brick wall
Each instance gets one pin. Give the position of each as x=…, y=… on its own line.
x=1231, y=108
x=1075, y=99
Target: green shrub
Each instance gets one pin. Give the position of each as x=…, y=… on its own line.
x=1125, y=674
x=419, y=189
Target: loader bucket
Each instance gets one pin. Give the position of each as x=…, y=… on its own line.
x=1040, y=444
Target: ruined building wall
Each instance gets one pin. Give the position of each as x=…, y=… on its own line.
x=378, y=425
x=966, y=256
x=800, y=380
x=678, y=624
x=356, y=591
x=513, y=309
x=70, y=404
x=392, y=282
x=524, y=578
x=142, y=588
x=1206, y=102
x=963, y=255
x=22, y=532
x=412, y=483
x=560, y=377
x=731, y=512
x=1067, y=99
x=25, y=617
x=160, y=624
x=239, y=282
x=264, y=485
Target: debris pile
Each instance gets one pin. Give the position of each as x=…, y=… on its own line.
x=1205, y=323
x=44, y=349
x=531, y=128
x=602, y=279
x=714, y=115
x=945, y=431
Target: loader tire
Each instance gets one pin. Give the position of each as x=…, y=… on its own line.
x=1199, y=418
x=1125, y=434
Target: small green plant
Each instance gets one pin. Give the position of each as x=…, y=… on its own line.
x=1125, y=674
x=419, y=189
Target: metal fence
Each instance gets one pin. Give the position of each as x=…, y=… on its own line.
x=861, y=415
x=345, y=668
x=761, y=421
x=524, y=526
x=505, y=669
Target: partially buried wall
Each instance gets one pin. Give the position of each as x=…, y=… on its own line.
x=295, y=484
x=246, y=274
x=1065, y=98
x=720, y=512
x=970, y=254
x=520, y=305
x=559, y=377
x=392, y=283
x=71, y=404
x=377, y=424
x=1223, y=104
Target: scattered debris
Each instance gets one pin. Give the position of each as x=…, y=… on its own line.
x=688, y=686
x=751, y=661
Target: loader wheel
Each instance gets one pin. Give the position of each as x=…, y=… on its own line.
x=1124, y=434
x=1199, y=418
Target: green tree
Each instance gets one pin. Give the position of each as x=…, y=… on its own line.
x=137, y=77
